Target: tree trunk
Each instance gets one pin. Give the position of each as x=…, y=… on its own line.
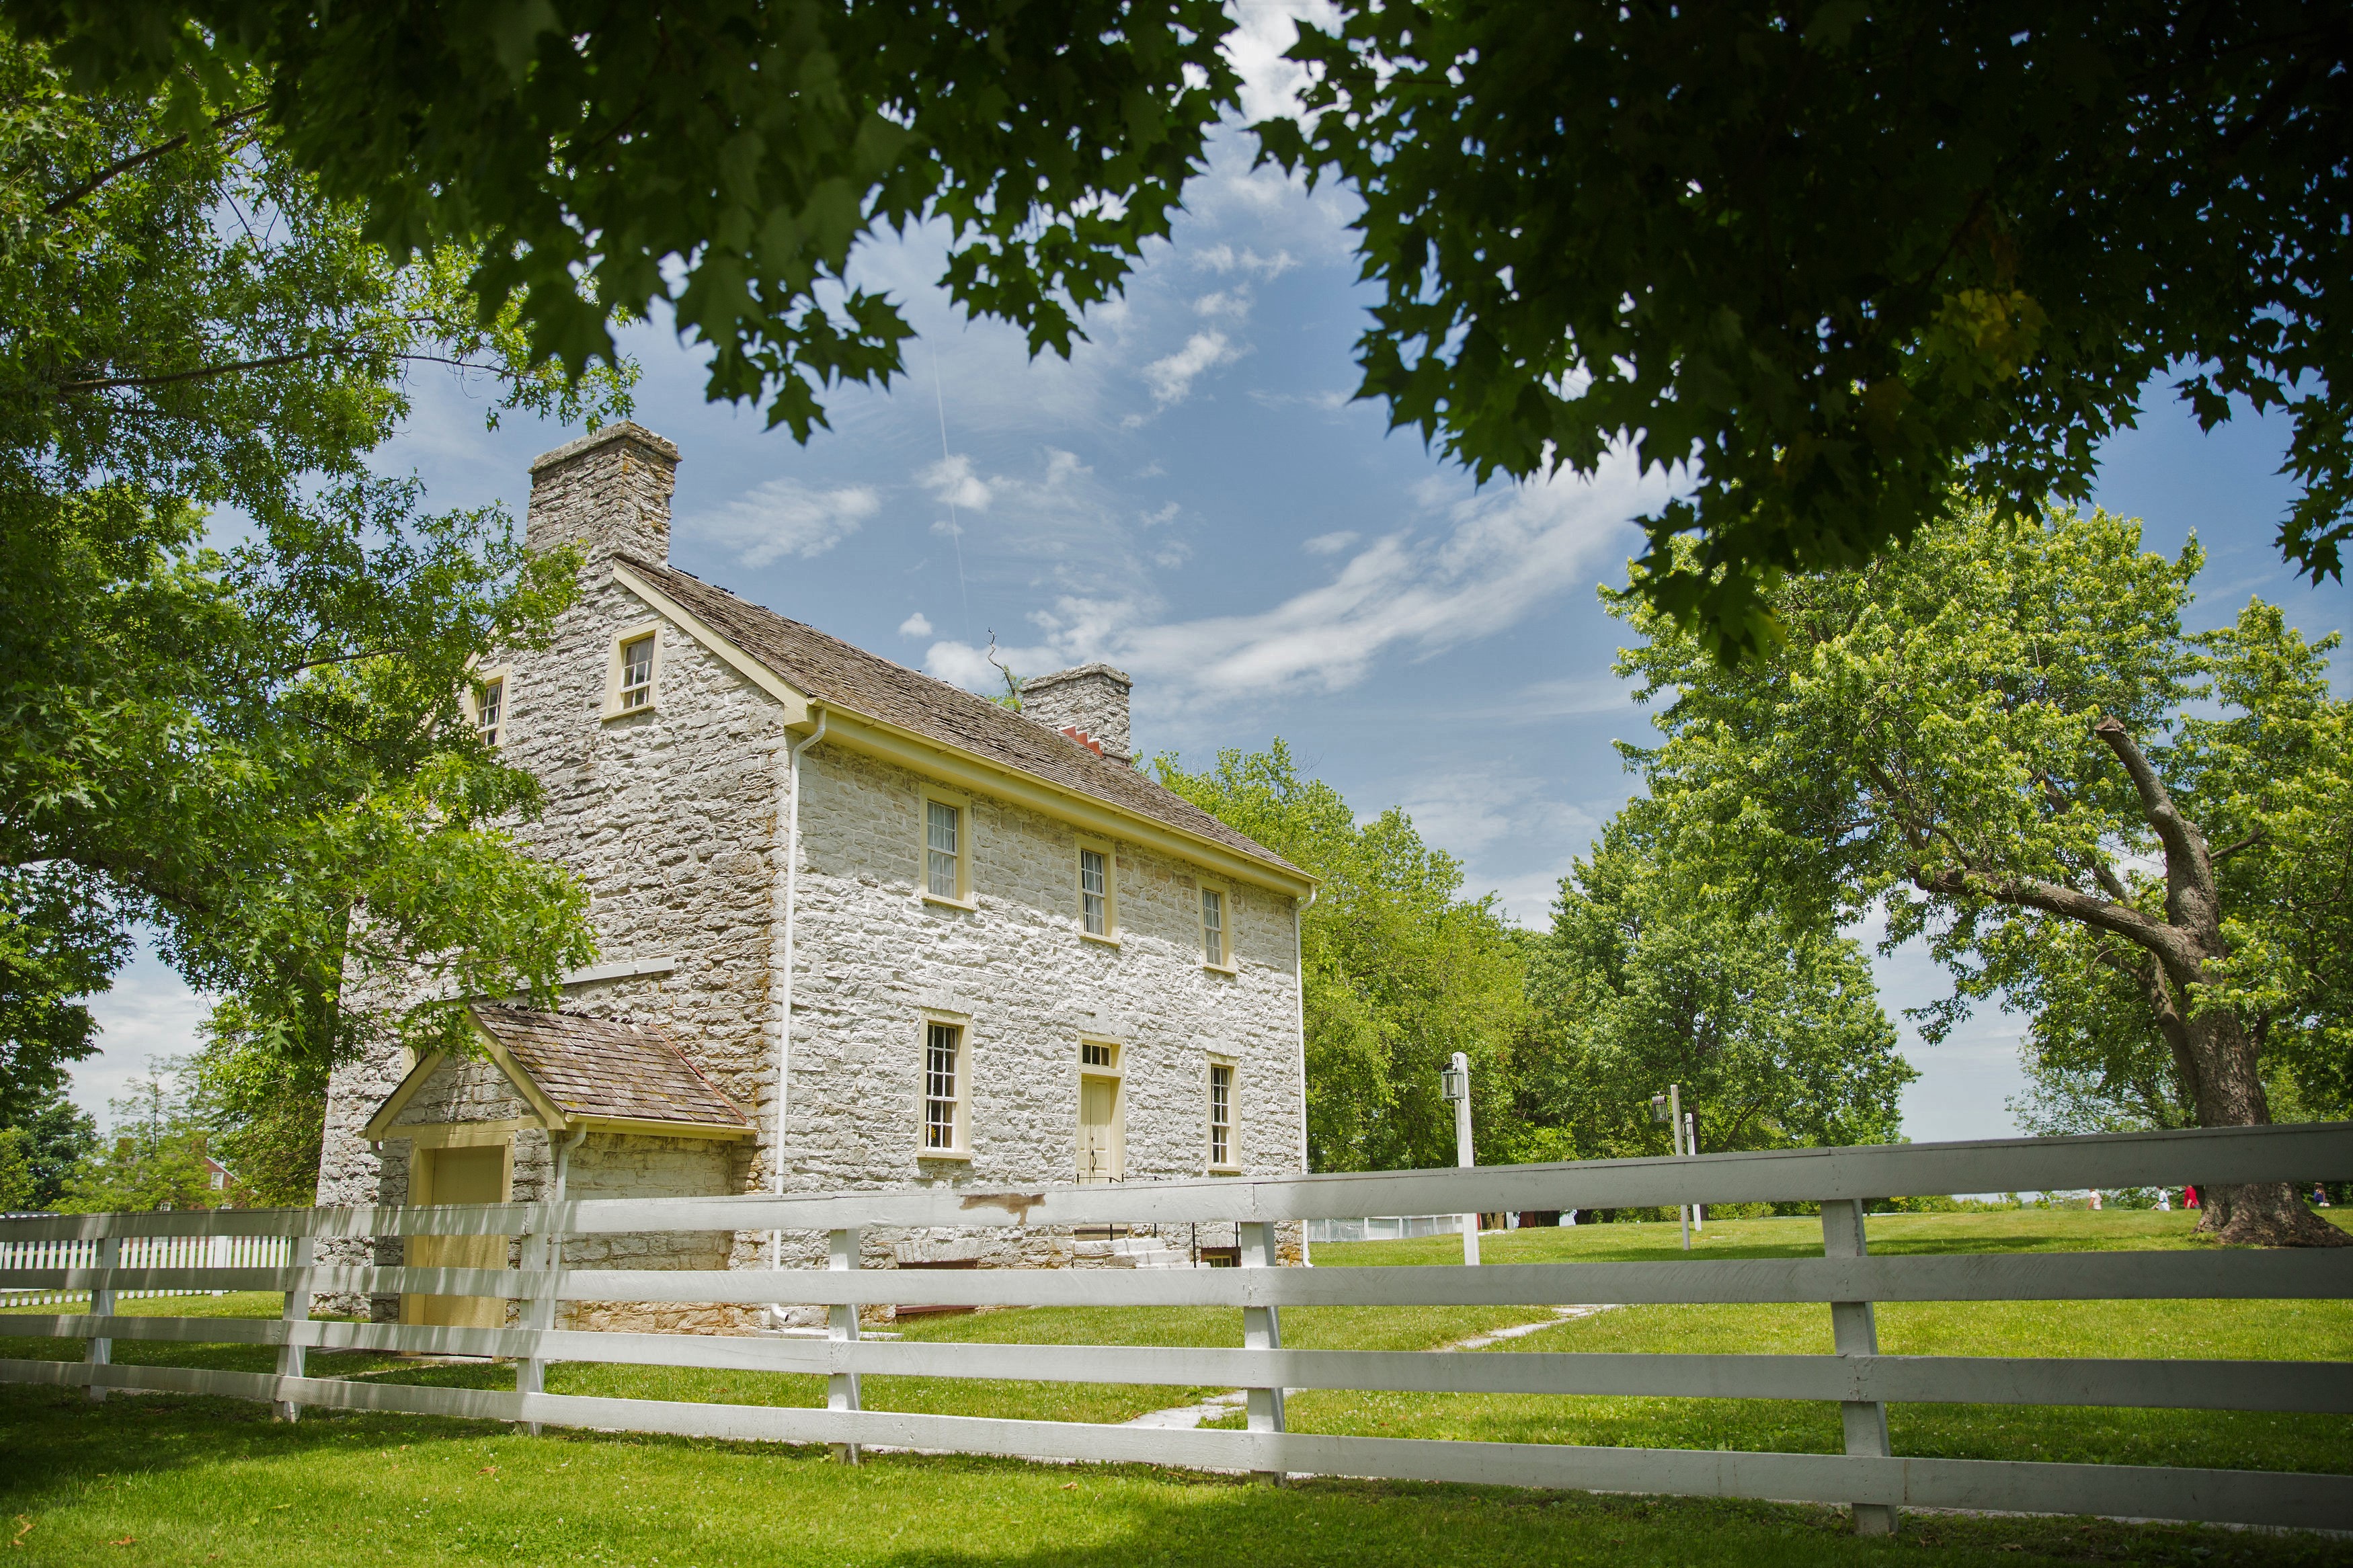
x=2229, y=1093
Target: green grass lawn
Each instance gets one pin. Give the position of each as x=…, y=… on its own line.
x=195, y=1481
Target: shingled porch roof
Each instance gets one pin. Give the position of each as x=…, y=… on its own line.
x=581, y=1071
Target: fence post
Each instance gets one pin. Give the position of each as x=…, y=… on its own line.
x=291, y=1356
x=841, y=1323
x=102, y=1305
x=1262, y=1331
x=1855, y=1331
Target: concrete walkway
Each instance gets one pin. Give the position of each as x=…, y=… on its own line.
x=1226, y=1403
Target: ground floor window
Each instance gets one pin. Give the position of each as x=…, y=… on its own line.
x=1222, y=1115
x=944, y=1088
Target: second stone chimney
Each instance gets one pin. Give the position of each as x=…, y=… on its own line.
x=605, y=492
x=1091, y=701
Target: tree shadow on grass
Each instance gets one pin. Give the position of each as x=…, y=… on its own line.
x=178, y=1480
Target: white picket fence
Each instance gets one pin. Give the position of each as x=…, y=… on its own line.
x=1384, y=1228
x=1862, y=1382
x=138, y=1252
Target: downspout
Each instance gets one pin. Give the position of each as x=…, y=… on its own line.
x=1299, y=1016
x=783, y=986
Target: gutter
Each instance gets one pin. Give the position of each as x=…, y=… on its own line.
x=1299, y=1017
x=781, y=985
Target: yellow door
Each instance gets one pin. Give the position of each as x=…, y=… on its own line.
x=475, y=1175
x=1100, y=1143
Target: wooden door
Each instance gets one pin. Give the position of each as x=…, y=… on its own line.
x=471, y=1175
x=1100, y=1146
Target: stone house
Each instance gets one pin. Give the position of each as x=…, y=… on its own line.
x=1001, y=954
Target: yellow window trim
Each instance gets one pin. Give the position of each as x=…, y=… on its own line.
x=961, y=1023
x=1109, y=853
x=1226, y=963
x=505, y=676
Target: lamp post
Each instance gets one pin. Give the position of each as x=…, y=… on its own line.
x=1455, y=1082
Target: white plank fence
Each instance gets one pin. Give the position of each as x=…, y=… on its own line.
x=1862, y=1381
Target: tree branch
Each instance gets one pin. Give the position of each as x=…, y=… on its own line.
x=122, y=166
x=269, y=362
x=2249, y=842
x=2052, y=898
x=2186, y=864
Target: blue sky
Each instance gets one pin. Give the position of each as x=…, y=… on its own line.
x=1193, y=497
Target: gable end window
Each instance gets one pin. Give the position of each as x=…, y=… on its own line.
x=1098, y=891
x=486, y=702
x=633, y=672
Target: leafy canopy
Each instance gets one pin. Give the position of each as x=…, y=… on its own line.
x=1840, y=258
x=596, y=156
x=231, y=661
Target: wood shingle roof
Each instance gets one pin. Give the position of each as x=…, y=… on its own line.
x=832, y=672
x=598, y=1069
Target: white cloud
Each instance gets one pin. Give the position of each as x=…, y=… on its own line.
x=1504, y=556
x=1233, y=304
x=1330, y=544
x=953, y=482
x=1171, y=379
x=1263, y=33
x=1166, y=514
x=784, y=517
x=915, y=626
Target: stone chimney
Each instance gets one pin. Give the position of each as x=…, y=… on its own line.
x=605, y=492
x=1089, y=703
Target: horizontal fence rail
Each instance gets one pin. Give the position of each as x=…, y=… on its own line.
x=100, y=1258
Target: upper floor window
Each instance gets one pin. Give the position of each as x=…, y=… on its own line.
x=1216, y=939
x=633, y=672
x=1098, y=898
x=944, y=850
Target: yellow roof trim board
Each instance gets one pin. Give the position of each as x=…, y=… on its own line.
x=923, y=754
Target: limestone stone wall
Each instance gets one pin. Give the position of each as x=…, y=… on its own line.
x=876, y=959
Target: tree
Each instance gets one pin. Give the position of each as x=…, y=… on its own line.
x=52, y=1139
x=1996, y=734
x=1399, y=972
x=1647, y=978
x=255, y=751
x=153, y=1159
x=594, y=157
x=1838, y=257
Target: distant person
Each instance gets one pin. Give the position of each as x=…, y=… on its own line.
x=2189, y=1197
x=2319, y=1197
x=2095, y=1200
x=2164, y=1201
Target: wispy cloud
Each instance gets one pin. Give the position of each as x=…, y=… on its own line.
x=784, y=517
x=1330, y=544
x=1171, y=379
x=1502, y=557
x=915, y=626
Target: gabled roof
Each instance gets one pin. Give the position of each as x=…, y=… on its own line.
x=836, y=673
x=582, y=1072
